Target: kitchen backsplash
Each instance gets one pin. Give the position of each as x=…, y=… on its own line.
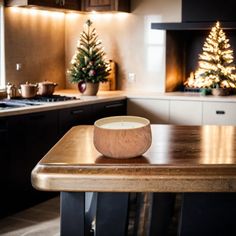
x=35, y=39
x=44, y=43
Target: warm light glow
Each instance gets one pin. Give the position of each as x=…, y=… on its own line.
x=216, y=144
x=96, y=16
x=37, y=12
x=72, y=16
x=215, y=68
x=121, y=15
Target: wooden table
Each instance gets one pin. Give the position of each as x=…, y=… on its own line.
x=181, y=159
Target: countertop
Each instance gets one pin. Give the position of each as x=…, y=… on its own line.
x=80, y=101
x=180, y=159
x=105, y=96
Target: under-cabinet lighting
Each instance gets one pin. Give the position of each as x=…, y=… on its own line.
x=37, y=12
x=72, y=15
x=94, y=16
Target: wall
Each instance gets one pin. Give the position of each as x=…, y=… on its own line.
x=44, y=43
x=128, y=40
x=36, y=40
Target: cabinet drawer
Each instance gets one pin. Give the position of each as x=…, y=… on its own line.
x=186, y=112
x=157, y=111
x=74, y=116
x=223, y=113
x=105, y=109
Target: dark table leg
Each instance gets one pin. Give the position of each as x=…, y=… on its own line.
x=162, y=211
x=208, y=214
x=72, y=213
x=112, y=214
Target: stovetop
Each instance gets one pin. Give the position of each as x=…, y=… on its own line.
x=42, y=99
x=38, y=100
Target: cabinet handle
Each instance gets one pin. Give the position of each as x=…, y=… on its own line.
x=220, y=112
x=114, y=105
x=76, y=112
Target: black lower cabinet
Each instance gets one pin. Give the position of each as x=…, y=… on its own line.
x=25, y=139
x=4, y=165
x=41, y=136
x=30, y=138
x=18, y=173
x=70, y=117
x=105, y=109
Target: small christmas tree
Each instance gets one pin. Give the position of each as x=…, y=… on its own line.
x=215, y=63
x=89, y=64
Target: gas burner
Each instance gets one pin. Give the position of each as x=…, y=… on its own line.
x=53, y=98
x=43, y=99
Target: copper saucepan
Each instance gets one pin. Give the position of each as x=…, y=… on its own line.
x=46, y=88
x=28, y=90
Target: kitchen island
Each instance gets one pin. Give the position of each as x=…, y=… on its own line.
x=199, y=161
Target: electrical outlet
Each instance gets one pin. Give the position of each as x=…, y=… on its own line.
x=18, y=66
x=131, y=77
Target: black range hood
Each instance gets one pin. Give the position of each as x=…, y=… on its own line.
x=192, y=25
x=202, y=15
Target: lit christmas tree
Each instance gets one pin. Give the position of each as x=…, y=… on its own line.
x=89, y=63
x=216, y=69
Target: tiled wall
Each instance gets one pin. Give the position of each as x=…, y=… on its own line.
x=45, y=42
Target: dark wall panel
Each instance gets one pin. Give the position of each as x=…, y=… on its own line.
x=208, y=10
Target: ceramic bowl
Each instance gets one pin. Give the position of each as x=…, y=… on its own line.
x=122, y=136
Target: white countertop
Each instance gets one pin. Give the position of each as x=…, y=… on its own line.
x=179, y=96
x=106, y=96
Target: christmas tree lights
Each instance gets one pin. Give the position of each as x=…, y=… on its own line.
x=215, y=65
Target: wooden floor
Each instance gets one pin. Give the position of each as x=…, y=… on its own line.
x=40, y=220
x=44, y=220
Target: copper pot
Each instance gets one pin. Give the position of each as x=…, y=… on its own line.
x=28, y=90
x=46, y=88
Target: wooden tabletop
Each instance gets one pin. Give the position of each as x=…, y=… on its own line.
x=180, y=159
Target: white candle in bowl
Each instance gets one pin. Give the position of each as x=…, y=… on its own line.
x=122, y=136
x=122, y=125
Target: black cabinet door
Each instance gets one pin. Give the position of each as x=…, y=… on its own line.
x=19, y=179
x=106, y=5
x=57, y=4
x=41, y=134
x=70, y=117
x=105, y=109
x=29, y=138
x=17, y=152
x=4, y=150
x=4, y=173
